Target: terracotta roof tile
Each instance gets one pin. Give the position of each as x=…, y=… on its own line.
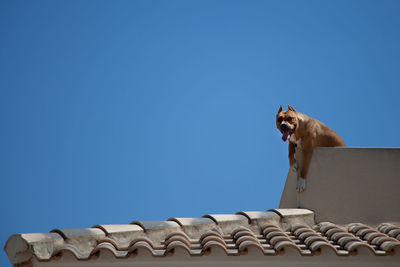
x=121, y=235
x=261, y=218
x=81, y=241
x=228, y=222
x=291, y=217
x=154, y=225
x=259, y=215
x=157, y=231
x=105, y=247
x=195, y=227
x=22, y=247
x=276, y=232
x=111, y=229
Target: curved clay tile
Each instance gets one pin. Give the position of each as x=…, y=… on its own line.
x=221, y=218
x=270, y=228
x=371, y=236
x=142, y=246
x=333, y=231
x=302, y=230
x=175, y=234
x=391, y=246
x=263, y=217
x=276, y=239
x=156, y=225
x=378, y=241
x=73, y=251
x=195, y=227
x=210, y=245
x=390, y=229
x=309, y=241
x=242, y=239
x=248, y=244
x=142, y=240
x=23, y=246
x=394, y=233
x=320, y=246
x=303, y=236
x=387, y=227
x=271, y=235
x=355, y=227
x=294, y=216
x=241, y=229
x=338, y=235
x=292, y=212
x=120, y=235
x=229, y=222
x=84, y=240
x=353, y=247
x=345, y=240
x=306, y=234
x=179, y=238
x=171, y=247
x=108, y=247
x=93, y=233
x=362, y=232
x=324, y=227
x=119, y=228
x=214, y=238
x=299, y=226
x=210, y=233
x=282, y=246
x=191, y=221
x=317, y=246
x=113, y=243
x=241, y=232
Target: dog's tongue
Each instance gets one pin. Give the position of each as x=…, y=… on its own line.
x=286, y=135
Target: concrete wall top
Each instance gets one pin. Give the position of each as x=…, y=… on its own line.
x=347, y=185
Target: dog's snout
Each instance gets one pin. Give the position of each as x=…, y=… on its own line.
x=284, y=126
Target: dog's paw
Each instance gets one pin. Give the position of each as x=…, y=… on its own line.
x=301, y=184
x=295, y=167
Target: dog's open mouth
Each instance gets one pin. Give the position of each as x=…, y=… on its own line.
x=286, y=135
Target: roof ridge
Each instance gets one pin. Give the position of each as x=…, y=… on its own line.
x=267, y=232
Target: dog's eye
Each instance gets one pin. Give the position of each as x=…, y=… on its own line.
x=280, y=119
x=290, y=119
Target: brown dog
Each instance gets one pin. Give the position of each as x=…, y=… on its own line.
x=304, y=133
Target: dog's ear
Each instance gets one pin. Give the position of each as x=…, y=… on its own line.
x=291, y=108
x=280, y=109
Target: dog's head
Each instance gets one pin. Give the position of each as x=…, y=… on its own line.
x=287, y=122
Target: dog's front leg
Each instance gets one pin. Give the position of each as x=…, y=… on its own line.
x=292, y=160
x=301, y=181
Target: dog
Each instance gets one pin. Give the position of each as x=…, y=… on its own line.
x=304, y=134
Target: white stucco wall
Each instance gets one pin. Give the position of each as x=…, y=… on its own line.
x=347, y=185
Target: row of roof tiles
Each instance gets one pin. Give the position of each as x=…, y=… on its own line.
x=270, y=233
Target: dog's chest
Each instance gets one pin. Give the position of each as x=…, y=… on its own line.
x=295, y=141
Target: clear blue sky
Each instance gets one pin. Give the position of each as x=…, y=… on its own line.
x=115, y=111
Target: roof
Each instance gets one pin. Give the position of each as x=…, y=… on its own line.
x=349, y=215
x=273, y=233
